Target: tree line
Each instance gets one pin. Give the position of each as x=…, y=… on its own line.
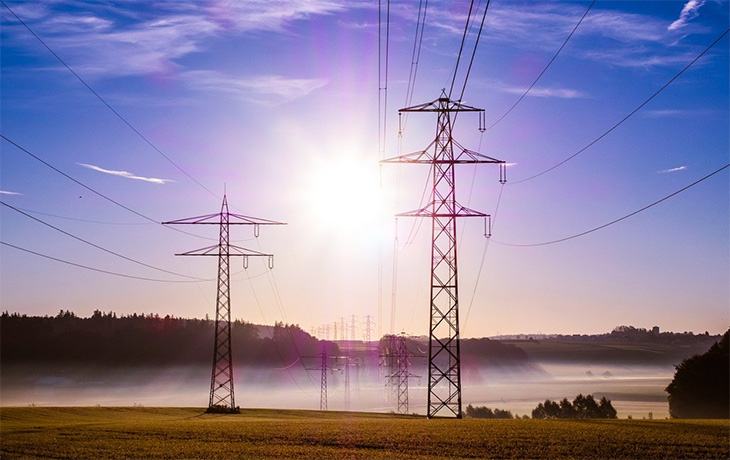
x=139, y=340
x=701, y=384
x=581, y=407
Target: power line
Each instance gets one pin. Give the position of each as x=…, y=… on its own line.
x=474, y=52
x=79, y=219
x=382, y=136
x=461, y=48
x=484, y=258
x=387, y=61
x=111, y=200
x=542, y=72
x=101, y=248
x=413, y=232
x=109, y=106
x=639, y=107
x=416, y=53
x=615, y=221
x=87, y=267
x=383, y=82
x=415, y=60
x=104, y=222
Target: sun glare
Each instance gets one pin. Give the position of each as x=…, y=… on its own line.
x=344, y=195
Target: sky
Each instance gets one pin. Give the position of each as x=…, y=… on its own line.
x=277, y=102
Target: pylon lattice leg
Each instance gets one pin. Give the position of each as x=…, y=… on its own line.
x=221, y=381
x=444, y=369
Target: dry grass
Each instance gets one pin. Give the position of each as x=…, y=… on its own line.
x=187, y=433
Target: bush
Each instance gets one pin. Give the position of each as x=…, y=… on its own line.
x=701, y=385
x=581, y=407
x=485, y=412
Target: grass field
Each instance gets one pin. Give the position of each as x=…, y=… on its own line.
x=187, y=433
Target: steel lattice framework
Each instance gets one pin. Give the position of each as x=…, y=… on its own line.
x=323, y=382
x=443, y=154
x=397, y=358
x=222, y=396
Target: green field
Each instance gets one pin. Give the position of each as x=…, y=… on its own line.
x=187, y=433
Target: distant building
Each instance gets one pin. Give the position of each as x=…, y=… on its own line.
x=655, y=330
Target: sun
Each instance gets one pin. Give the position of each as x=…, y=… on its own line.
x=345, y=196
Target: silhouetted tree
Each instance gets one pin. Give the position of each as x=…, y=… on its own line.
x=582, y=407
x=585, y=407
x=485, y=412
x=566, y=409
x=106, y=339
x=605, y=409
x=701, y=384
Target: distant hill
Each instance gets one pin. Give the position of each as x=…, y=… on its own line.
x=623, y=345
x=108, y=340
x=143, y=340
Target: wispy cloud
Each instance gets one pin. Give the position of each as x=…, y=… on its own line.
x=672, y=170
x=263, y=89
x=608, y=36
x=8, y=192
x=690, y=10
x=125, y=174
x=639, y=57
x=561, y=93
x=682, y=113
x=98, y=44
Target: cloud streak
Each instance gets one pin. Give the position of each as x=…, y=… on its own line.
x=98, y=44
x=560, y=93
x=125, y=174
x=672, y=170
x=262, y=89
x=608, y=36
x=8, y=192
x=690, y=10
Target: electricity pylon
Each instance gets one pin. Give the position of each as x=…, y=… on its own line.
x=347, y=362
x=323, y=368
x=398, y=362
x=444, y=360
x=352, y=328
x=368, y=329
x=222, y=398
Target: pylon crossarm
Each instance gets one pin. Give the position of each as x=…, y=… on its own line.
x=421, y=156
x=467, y=156
x=233, y=251
x=205, y=219
x=426, y=211
x=442, y=104
x=215, y=219
x=240, y=219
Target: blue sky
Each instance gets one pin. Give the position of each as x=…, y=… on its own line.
x=279, y=102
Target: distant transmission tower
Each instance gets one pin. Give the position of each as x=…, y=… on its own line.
x=347, y=362
x=368, y=328
x=398, y=361
x=323, y=382
x=221, y=381
x=444, y=360
x=324, y=367
x=352, y=328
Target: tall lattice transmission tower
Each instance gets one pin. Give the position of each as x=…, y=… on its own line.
x=222, y=396
x=443, y=154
